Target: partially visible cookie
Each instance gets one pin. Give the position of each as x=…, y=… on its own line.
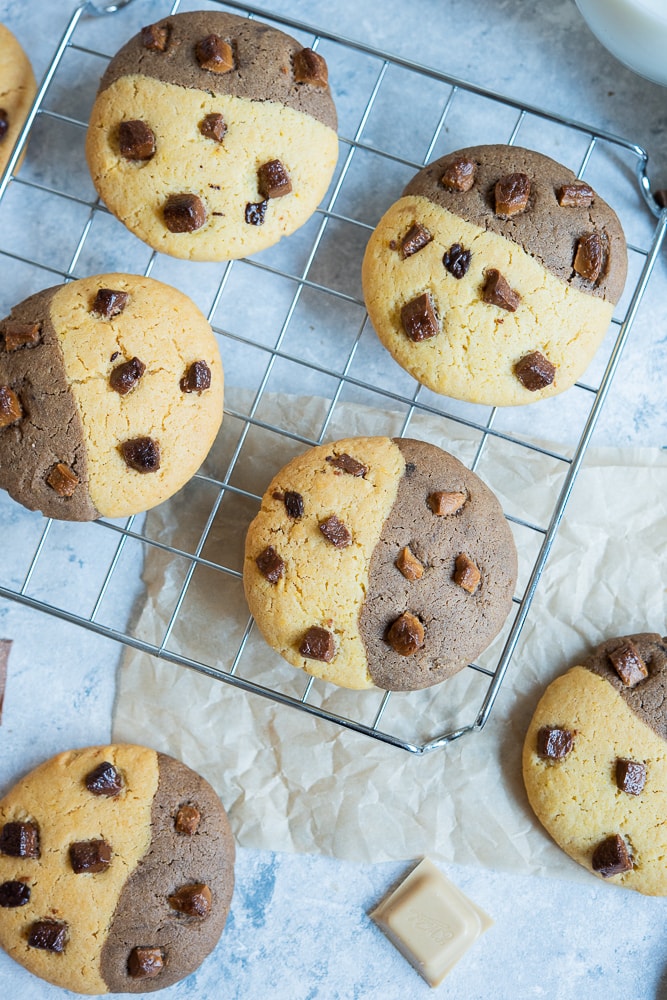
x=212, y=136
x=595, y=762
x=493, y=278
x=111, y=392
x=379, y=562
x=17, y=91
x=116, y=870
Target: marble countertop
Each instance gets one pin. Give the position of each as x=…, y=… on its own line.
x=299, y=926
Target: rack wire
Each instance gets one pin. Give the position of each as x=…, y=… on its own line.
x=313, y=277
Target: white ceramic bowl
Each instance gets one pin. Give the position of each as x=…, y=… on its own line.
x=635, y=31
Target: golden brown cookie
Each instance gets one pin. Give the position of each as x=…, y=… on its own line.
x=111, y=391
x=379, y=562
x=17, y=91
x=116, y=870
x=493, y=278
x=595, y=762
x=213, y=136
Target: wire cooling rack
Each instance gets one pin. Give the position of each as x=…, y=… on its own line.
x=291, y=321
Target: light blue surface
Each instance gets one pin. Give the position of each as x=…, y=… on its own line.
x=298, y=928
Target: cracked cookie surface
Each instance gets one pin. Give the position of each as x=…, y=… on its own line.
x=105, y=380
x=17, y=91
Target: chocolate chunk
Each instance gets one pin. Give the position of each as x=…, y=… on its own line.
x=270, y=564
x=20, y=840
x=457, y=260
x=141, y=454
x=310, y=67
x=104, y=779
x=187, y=820
x=347, y=464
x=554, y=743
x=459, y=175
x=109, y=302
x=10, y=407
x=214, y=54
x=628, y=664
x=145, y=963
x=14, y=894
x=661, y=198
x=497, y=292
x=255, y=213
x=589, y=257
x=89, y=856
x=611, y=857
x=273, y=181
x=136, y=140
x=4, y=123
x=534, y=371
x=466, y=574
x=184, y=213
x=416, y=238
x=512, y=193
x=630, y=775
x=409, y=565
x=193, y=900
x=155, y=37
x=63, y=480
x=419, y=318
x=293, y=503
x=336, y=532
x=213, y=126
x=49, y=935
x=406, y=634
x=444, y=503
x=318, y=644
x=197, y=378
x=21, y=335
x=124, y=377
x=578, y=195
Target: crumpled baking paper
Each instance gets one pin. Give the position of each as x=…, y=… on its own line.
x=293, y=782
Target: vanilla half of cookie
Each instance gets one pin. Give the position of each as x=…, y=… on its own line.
x=379, y=562
x=116, y=870
x=111, y=394
x=493, y=278
x=595, y=762
x=17, y=91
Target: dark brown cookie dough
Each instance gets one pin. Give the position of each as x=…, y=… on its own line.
x=647, y=697
x=546, y=229
x=458, y=625
x=262, y=70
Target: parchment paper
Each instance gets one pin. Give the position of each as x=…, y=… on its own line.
x=291, y=782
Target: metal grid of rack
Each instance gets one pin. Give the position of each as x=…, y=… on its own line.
x=320, y=342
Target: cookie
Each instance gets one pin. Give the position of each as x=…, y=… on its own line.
x=17, y=91
x=595, y=762
x=378, y=562
x=111, y=393
x=212, y=136
x=116, y=870
x=494, y=276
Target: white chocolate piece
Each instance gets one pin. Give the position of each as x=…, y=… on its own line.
x=430, y=921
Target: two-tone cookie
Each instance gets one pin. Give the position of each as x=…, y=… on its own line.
x=111, y=393
x=116, y=870
x=494, y=276
x=379, y=562
x=595, y=762
x=17, y=91
x=212, y=136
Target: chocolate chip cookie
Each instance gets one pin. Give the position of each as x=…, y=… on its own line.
x=379, y=562
x=116, y=870
x=17, y=91
x=494, y=277
x=111, y=392
x=595, y=762
x=213, y=136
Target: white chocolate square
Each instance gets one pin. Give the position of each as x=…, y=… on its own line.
x=430, y=921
